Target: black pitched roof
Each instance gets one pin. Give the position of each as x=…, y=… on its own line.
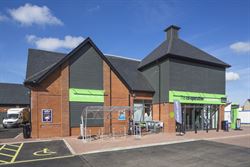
x=14, y=94
x=127, y=68
x=40, y=62
x=177, y=48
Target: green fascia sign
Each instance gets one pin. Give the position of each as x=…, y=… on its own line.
x=196, y=97
x=234, y=115
x=86, y=95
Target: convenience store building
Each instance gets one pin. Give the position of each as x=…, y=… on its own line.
x=63, y=84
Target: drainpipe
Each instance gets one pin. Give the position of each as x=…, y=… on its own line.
x=110, y=100
x=159, y=90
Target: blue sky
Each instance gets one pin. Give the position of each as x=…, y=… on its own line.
x=130, y=28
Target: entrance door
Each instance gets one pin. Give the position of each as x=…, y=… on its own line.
x=193, y=116
x=188, y=119
x=198, y=122
x=201, y=116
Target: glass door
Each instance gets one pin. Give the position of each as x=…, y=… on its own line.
x=188, y=119
x=201, y=116
x=198, y=117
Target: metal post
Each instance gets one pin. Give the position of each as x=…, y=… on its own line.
x=195, y=127
x=85, y=128
x=218, y=120
x=81, y=127
x=207, y=118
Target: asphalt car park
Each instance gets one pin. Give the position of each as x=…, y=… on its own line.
x=24, y=152
x=197, y=153
x=6, y=133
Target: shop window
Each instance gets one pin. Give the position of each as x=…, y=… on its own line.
x=142, y=110
x=200, y=116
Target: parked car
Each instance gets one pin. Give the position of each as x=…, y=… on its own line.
x=16, y=117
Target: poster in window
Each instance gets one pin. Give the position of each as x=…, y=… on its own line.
x=121, y=116
x=47, y=115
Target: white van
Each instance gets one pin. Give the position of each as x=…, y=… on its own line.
x=16, y=117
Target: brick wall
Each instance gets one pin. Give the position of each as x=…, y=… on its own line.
x=170, y=125
x=52, y=93
x=164, y=114
x=116, y=94
x=119, y=97
x=221, y=112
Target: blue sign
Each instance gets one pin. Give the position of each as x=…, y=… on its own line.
x=47, y=115
x=121, y=116
x=177, y=111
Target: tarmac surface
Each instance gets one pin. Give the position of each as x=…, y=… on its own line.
x=6, y=133
x=195, y=153
x=24, y=152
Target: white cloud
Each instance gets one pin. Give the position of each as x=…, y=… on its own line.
x=32, y=14
x=241, y=47
x=232, y=76
x=49, y=43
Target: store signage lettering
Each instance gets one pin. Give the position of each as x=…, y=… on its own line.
x=223, y=99
x=192, y=98
x=197, y=97
x=47, y=115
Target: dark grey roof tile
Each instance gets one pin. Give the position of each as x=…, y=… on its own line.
x=127, y=68
x=39, y=60
x=14, y=94
x=180, y=48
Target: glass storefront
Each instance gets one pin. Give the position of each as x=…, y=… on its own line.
x=142, y=110
x=202, y=116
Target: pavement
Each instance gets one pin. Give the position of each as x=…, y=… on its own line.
x=79, y=147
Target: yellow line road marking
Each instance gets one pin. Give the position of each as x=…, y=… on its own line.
x=39, y=159
x=2, y=147
x=17, y=152
x=13, y=145
x=9, y=149
x=7, y=155
x=1, y=161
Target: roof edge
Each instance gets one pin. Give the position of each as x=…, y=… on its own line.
x=69, y=55
x=183, y=58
